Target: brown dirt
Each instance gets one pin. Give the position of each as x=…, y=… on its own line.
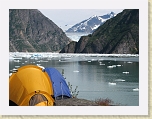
x=74, y=102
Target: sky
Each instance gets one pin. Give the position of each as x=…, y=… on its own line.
x=66, y=18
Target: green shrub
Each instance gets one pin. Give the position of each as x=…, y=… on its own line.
x=74, y=92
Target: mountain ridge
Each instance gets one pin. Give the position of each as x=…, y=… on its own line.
x=119, y=35
x=90, y=24
x=31, y=31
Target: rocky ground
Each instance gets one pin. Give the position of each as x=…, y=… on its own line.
x=75, y=102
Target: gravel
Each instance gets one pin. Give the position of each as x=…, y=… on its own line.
x=75, y=102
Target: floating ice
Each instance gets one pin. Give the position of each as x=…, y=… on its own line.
x=109, y=66
x=111, y=83
x=114, y=65
x=11, y=58
x=125, y=72
x=16, y=60
x=14, y=69
x=129, y=62
x=119, y=80
x=17, y=66
x=20, y=55
x=100, y=59
x=93, y=59
x=43, y=61
x=15, y=57
x=76, y=71
x=135, y=89
x=26, y=55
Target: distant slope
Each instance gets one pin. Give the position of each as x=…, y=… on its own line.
x=119, y=35
x=31, y=31
x=89, y=25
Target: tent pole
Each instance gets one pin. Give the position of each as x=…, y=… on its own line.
x=61, y=89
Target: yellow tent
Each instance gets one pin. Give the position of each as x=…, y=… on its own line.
x=30, y=86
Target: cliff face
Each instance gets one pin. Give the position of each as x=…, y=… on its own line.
x=119, y=35
x=70, y=48
x=31, y=31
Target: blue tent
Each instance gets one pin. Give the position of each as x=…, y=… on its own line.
x=60, y=87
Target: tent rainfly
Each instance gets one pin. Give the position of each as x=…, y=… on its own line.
x=30, y=86
x=60, y=87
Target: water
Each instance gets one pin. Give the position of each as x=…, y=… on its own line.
x=96, y=76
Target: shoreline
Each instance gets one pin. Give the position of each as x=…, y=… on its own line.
x=83, y=102
x=74, y=102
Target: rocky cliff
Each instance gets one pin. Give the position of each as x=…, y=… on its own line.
x=118, y=35
x=31, y=31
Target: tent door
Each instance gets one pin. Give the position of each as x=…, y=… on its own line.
x=37, y=98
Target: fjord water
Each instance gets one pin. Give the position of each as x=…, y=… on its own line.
x=115, y=78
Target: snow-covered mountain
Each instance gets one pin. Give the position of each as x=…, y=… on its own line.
x=89, y=25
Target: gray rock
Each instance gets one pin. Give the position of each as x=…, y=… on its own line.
x=31, y=31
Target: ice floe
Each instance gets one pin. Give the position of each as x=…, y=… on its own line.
x=20, y=55
x=129, y=62
x=135, y=89
x=111, y=83
x=125, y=72
x=76, y=71
x=17, y=66
x=109, y=66
x=121, y=80
x=16, y=60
